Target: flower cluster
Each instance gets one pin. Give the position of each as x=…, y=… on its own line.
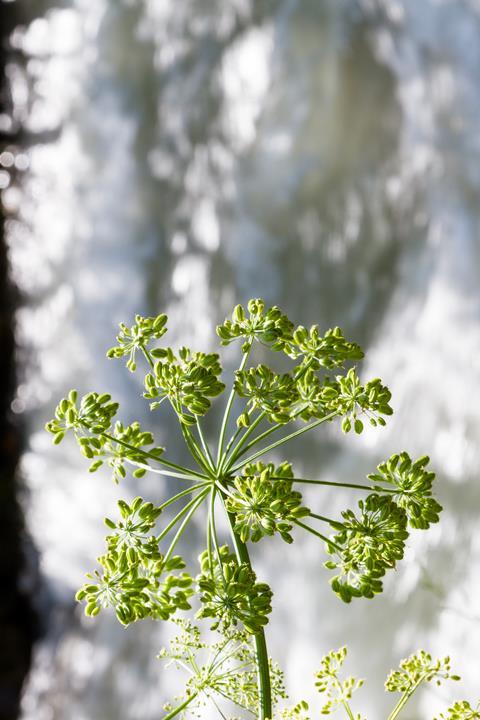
x=285, y=397
x=188, y=381
x=416, y=669
x=412, y=488
x=349, y=398
x=413, y=672
x=224, y=669
x=135, y=579
x=230, y=593
x=365, y=546
x=94, y=414
x=338, y=691
x=297, y=712
x=138, y=337
x=329, y=351
x=270, y=327
x=313, y=397
x=267, y=391
x=98, y=441
x=462, y=711
x=264, y=502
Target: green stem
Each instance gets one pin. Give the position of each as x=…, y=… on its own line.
x=236, y=450
x=330, y=484
x=167, y=473
x=178, y=496
x=403, y=700
x=181, y=707
x=322, y=518
x=193, y=446
x=228, y=409
x=258, y=439
x=148, y=357
x=263, y=668
x=230, y=443
x=194, y=505
x=348, y=710
x=178, y=517
x=149, y=456
x=319, y=535
x=205, y=447
x=283, y=440
x=213, y=531
x=209, y=539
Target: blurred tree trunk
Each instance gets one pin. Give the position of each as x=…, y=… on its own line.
x=17, y=619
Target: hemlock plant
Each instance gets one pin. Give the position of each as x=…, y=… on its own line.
x=140, y=575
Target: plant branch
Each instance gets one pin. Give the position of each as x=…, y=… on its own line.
x=403, y=700
x=322, y=518
x=194, y=505
x=181, y=707
x=328, y=483
x=178, y=476
x=149, y=456
x=178, y=517
x=205, y=447
x=178, y=496
x=283, y=440
x=236, y=450
x=319, y=535
x=228, y=409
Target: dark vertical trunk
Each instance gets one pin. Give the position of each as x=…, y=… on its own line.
x=17, y=619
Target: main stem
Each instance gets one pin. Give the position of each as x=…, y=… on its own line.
x=263, y=669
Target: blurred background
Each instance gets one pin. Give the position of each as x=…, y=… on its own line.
x=183, y=156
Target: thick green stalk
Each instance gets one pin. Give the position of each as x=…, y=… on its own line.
x=263, y=668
